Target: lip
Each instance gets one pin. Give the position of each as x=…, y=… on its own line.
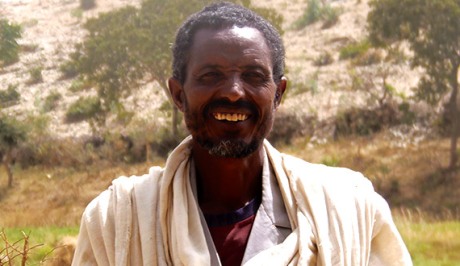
x=230, y=112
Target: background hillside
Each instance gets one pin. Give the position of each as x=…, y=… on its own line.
x=52, y=28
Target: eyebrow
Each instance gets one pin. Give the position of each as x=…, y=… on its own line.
x=245, y=67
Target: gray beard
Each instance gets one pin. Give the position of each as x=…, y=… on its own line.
x=231, y=148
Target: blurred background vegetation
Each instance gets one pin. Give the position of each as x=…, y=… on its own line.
x=403, y=138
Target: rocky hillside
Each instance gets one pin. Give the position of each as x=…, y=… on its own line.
x=51, y=28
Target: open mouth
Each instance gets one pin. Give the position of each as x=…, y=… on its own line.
x=230, y=117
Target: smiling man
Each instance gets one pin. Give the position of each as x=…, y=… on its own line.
x=225, y=195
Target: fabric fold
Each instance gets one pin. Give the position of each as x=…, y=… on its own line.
x=336, y=219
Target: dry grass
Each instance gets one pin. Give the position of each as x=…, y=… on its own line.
x=411, y=177
x=407, y=175
x=44, y=197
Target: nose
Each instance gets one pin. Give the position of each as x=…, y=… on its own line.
x=233, y=89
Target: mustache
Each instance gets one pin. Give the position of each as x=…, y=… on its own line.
x=223, y=103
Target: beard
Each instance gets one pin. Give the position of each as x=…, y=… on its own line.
x=227, y=147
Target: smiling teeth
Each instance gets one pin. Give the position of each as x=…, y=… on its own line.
x=230, y=117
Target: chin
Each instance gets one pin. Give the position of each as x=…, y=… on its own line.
x=233, y=148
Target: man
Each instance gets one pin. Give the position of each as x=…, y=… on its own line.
x=225, y=195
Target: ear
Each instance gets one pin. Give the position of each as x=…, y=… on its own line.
x=280, y=89
x=177, y=93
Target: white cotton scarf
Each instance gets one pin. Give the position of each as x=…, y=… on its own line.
x=155, y=220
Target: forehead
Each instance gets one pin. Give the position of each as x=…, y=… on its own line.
x=231, y=45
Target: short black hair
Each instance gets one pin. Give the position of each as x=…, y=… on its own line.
x=220, y=16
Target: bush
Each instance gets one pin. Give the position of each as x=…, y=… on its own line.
x=364, y=122
x=289, y=125
x=316, y=11
x=68, y=70
x=51, y=101
x=330, y=16
x=79, y=85
x=87, y=4
x=9, y=96
x=9, y=48
x=323, y=59
x=354, y=50
x=367, y=58
x=35, y=75
x=84, y=108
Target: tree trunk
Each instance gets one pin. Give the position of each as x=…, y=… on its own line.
x=148, y=152
x=9, y=171
x=455, y=116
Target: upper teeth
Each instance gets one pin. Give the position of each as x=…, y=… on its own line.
x=230, y=117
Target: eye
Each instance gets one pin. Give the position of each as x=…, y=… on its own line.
x=255, y=77
x=210, y=76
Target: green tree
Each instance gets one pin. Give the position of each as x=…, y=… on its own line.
x=107, y=60
x=432, y=29
x=9, y=48
x=130, y=47
x=11, y=135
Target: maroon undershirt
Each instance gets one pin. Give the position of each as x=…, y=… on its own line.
x=230, y=232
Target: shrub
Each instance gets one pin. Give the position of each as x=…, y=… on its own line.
x=289, y=125
x=354, y=50
x=330, y=16
x=323, y=59
x=84, y=108
x=68, y=70
x=367, y=58
x=51, y=101
x=317, y=10
x=78, y=85
x=35, y=75
x=87, y=4
x=9, y=48
x=9, y=96
x=363, y=122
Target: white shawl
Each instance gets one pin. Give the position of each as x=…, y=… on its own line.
x=155, y=220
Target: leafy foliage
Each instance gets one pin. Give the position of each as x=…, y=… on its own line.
x=35, y=75
x=318, y=10
x=9, y=48
x=324, y=59
x=432, y=29
x=11, y=132
x=354, y=50
x=84, y=108
x=9, y=97
x=51, y=101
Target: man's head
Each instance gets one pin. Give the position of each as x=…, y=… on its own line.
x=220, y=16
x=226, y=82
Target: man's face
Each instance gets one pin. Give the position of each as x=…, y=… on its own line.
x=228, y=96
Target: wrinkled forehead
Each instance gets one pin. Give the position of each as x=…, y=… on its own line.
x=238, y=38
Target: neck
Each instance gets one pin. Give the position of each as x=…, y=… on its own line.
x=226, y=184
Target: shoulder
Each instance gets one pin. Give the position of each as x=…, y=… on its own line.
x=122, y=191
